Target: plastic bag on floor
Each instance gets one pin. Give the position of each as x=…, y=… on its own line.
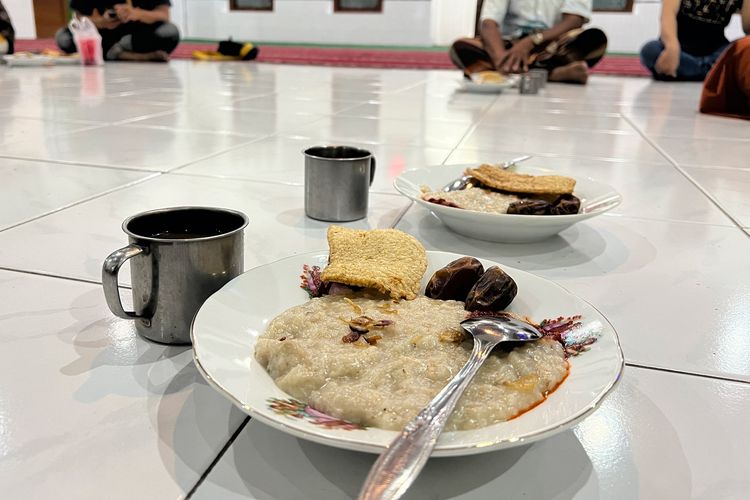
x=88, y=41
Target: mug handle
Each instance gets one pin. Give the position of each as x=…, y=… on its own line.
x=372, y=169
x=110, y=270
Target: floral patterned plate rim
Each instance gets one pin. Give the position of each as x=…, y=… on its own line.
x=226, y=327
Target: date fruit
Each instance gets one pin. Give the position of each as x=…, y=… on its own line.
x=494, y=291
x=529, y=207
x=566, y=204
x=454, y=281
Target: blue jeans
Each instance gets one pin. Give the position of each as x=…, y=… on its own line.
x=691, y=68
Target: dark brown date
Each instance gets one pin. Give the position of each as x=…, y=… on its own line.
x=494, y=291
x=566, y=204
x=454, y=281
x=529, y=207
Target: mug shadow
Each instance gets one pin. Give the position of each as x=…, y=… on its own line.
x=113, y=342
x=190, y=420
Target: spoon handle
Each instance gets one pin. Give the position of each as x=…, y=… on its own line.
x=509, y=164
x=401, y=463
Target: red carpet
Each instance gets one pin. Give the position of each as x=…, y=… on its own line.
x=361, y=58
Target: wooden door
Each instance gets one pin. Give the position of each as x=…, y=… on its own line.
x=49, y=15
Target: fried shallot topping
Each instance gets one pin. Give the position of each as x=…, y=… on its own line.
x=362, y=325
x=357, y=308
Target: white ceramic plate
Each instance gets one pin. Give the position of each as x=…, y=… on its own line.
x=23, y=60
x=596, y=198
x=488, y=88
x=226, y=328
x=68, y=60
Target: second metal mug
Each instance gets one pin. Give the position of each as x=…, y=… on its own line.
x=337, y=182
x=178, y=258
x=528, y=84
x=540, y=76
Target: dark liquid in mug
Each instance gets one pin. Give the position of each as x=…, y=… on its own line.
x=185, y=224
x=183, y=235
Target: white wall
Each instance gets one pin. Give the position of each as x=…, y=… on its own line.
x=22, y=16
x=404, y=22
x=451, y=19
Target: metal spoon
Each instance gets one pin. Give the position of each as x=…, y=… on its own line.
x=399, y=465
x=466, y=180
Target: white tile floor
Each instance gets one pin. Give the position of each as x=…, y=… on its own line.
x=89, y=410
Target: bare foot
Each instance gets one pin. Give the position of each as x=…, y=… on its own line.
x=156, y=56
x=575, y=72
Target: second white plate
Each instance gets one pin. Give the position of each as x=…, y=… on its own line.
x=596, y=198
x=488, y=88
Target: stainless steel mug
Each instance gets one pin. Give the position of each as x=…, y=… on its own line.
x=528, y=84
x=337, y=182
x=178, y=258
x=540, y=76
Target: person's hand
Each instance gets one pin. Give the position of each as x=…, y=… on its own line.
x=103, y=22
x=497, y=59
x=127, y=14
x=517, y=57
x=668, y=61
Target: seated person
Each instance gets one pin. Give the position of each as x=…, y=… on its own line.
x=516, y=35
x=692, y=37
x=727, y=88
x=7, y=33
x=137, y=32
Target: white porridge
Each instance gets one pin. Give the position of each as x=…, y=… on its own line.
x=477, y=199
x=385, y=385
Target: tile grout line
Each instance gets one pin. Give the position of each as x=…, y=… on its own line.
x=55, y=276
x=283, y=135
x=273, y=182
x=618, y=215
x=402, y=214
x=72, y=163
x=542, y=154
x=687, y=373
x=218, y=153
x=84, y=200
x=627, y=363
x=187, y=130
x=470, y=130
x=218, y=457
x=686, y=175
x=136, y=119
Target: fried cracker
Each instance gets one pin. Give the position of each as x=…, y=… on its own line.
x=387, y=260
x=505, y=180
x=488, y=77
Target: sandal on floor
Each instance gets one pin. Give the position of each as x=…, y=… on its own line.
x=228, y=51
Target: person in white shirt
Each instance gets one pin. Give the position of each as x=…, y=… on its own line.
x=516, y=35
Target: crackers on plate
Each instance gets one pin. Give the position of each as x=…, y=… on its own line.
x=387, y=260
x=488, y=78
x=505, y=180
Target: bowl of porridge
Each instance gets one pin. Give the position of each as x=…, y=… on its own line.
x=314, y=368
x=482, y=213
